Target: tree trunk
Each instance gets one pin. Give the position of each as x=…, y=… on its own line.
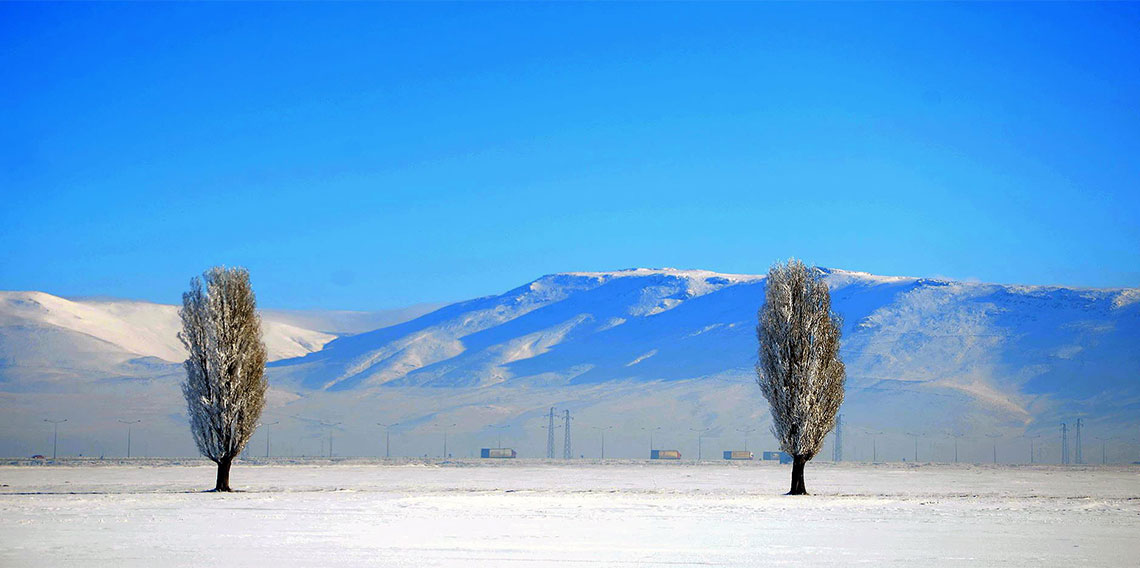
x=798, y=487
x=224, y=474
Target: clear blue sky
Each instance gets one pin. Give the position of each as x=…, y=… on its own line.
x=368, y=156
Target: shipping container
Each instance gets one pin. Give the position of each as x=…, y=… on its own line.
x=773, y=456
x=497, y=453
x=737, y=455
x=664, y=455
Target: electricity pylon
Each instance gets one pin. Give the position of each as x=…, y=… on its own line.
x=1064, y=443
x=837, y=451
x=550, y=436
x=1080, y=454
x=567, y=452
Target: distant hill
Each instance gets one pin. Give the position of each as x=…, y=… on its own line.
x=635, y=349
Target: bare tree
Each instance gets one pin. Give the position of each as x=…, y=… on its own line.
x=799, y=370
x=225, y=372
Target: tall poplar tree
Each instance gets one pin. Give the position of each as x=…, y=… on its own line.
x=799, y=370
x=225, y=371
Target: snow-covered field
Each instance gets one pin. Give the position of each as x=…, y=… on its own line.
x=467, y=513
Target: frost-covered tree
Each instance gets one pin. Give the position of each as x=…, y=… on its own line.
x=225, y=371
x=799, y=370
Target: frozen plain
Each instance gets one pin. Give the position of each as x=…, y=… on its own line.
x=539, y=513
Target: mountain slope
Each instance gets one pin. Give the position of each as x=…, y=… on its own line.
x=129, y=328
x=972, y=353
x=665, y=351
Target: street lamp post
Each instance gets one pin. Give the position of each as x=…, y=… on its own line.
x=874, y=444
x=700, y=432
x=387, y=438
x=994, y=437
x=330, y=426
x=499, y=434
x=1104, y=449
x=55, y=435
x=915, y=444
x=747, y=430
x=129, y=423
x=1031, y=438
x=651, y=431
x=956, y=436
x=445, y=439
x=603, y=429
x=267, y=425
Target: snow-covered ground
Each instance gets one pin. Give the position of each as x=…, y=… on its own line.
x=525, y=513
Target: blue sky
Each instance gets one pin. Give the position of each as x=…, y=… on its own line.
x=368, y=156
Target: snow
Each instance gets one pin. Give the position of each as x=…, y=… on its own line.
x=539, y=513
x=936, y=357
x=140, y=328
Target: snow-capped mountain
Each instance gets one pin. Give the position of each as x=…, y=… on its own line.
x=635, y=349
x=117, y=329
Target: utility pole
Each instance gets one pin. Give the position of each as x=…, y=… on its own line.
x=1104, y=449
x=550, y=436
x=837, y=451
x=651, y=431
x=874, y=444
x=129, y=423
x=387, y=438
x=55, y=435
x=1080, y=454
x=330, y=426
x=994, y=437
x=445, y=439
x=956, y=436
x=603, y=429
x=499, y=437
x=1031, y=438
x=267, y=425
x=1064, y=443
x=567, y=452
x=915, y=436
x=700, y=432
x=747, y=430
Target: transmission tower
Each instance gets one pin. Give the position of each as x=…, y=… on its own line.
x=550, y=436
x=567, y=452
x=1064, y=443
x=837, y=451
x=1080, y=456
